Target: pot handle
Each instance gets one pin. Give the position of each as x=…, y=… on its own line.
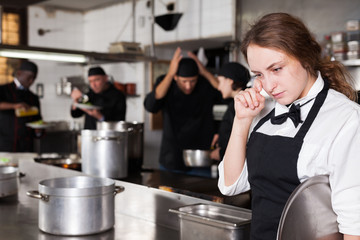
x=96, y=139
x=37, y=195
x=118, y=189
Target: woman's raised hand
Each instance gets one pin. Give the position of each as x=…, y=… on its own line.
x=249, y=102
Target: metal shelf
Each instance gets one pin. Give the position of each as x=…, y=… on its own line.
x=351, y=63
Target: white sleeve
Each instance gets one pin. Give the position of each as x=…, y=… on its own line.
x=240, y=185
x=344, y=158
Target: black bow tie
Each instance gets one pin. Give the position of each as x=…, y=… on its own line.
x=293, y=114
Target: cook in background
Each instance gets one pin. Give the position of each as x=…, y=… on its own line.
x=185, y=95
x=19, y=106
x=102, y=94
x=308, y=129
x=232, y=77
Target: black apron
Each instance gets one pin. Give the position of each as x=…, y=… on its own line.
x=272, y=167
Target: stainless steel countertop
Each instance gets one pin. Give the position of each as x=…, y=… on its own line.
x=140, y=212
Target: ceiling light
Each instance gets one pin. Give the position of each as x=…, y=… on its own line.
x=40, y=55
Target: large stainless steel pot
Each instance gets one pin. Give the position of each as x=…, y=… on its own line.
x=135, y=140
x=104, y=153
x=75, y=206
x=9, y=181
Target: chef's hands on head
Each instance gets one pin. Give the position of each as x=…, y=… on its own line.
x=174, y=64
x=249, y=102
x=202, y=69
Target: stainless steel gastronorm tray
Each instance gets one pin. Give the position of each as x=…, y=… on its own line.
x=204, y=221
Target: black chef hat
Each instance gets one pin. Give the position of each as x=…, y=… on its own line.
x=187, y=68
x=96, y=71
x=29, y=66
x=236, y=72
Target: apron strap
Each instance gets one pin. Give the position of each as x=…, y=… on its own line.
x=319, y=101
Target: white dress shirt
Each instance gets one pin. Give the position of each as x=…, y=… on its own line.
x=331, y=146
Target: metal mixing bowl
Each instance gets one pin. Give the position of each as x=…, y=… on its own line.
x=197, y=158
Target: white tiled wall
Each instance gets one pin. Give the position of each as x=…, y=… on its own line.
x=66, y=28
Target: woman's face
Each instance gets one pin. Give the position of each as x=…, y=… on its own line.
x=225, y=87
x=281, y=76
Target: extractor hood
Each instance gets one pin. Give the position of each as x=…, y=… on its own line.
x=63, y=55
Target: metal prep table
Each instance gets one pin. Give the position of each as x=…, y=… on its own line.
x=141, y=212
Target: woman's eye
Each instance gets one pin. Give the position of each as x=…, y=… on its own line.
x=276, y=69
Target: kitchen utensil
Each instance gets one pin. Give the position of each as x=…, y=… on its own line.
x=308, y=213
x=130, y=88
x=9, y=181
x=75, y=206
x=135, y=140
x=197, y=158
x=210, y=222
x=104, y=153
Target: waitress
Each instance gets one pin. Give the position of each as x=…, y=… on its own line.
x=312, y=127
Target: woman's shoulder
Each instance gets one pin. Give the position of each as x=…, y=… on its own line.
x=340, y=109
x=339, y=101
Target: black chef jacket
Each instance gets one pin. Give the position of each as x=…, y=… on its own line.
x=188, y=121
x=225, y=127
x=113, y=106
x=15, y=136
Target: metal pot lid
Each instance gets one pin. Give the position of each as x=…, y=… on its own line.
x=308, y=213
x=77, y=186
x=8, y=172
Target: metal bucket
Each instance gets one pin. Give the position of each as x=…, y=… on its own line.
x=75, y=206
x=104, y=153
x=135, y=140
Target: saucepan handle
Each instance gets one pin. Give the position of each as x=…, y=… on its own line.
x=96, y=139
x=37, y=195
x=118, y=189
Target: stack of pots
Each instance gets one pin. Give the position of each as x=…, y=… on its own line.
x=135, y=148
x=104, y=153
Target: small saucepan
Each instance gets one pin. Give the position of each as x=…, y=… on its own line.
x=9, y=181
x=197, y=158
